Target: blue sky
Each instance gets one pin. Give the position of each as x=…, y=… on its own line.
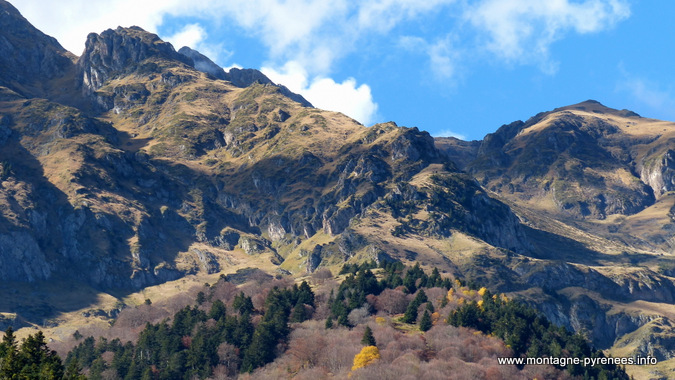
x=450, y=67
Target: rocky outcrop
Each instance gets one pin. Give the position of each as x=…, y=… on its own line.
x=658, y=171
x=314, y=259
x=253, y=246
x=208, y=260
x=238, y=77
x=28, y=57
x=21, y=258
x=654, y=339
x=644, y=284
x=119, y=51
x=585, y=315
x=203, y=63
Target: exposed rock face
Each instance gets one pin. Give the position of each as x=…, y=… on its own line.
x=238, y=77
x=19, y=249
x=203, y=63
x=586, y=162
x=314, y=259
x=28, y=57
x=208, y=261
x=252, y=245
x=119, y=51
x=654, y=338
x=583, y=314
x=658, y=171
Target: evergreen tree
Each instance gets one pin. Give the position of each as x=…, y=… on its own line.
x=305, y=294
x=329, y=322
x=218, y=310
x=8, y=344
x=343, y=320
x=201, y=298
x=261, y=350
x=425, y=321
x=299, y=313
x=410, y=315
x=72, y=372
x=36, y=360
x=9, y=363
x=243, y=304
x=434, y=279
x=368, y=338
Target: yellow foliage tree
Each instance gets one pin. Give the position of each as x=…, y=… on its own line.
x=482, y=291
x=367, y=356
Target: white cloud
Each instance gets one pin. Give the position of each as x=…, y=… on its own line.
x=316, y=34
x=648, y=94
x=355, y=101
x=443, y=56
x=191, y=35
x=383, y=15
x=194, y=36
x=449, y=133
x=523, y=30
x=661, y=101
x=70, y=21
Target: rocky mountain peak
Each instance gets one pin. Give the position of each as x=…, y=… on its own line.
x=28, y=57
x=203, y=63
x=595, y=106
x=238, y=77
x=118, y=51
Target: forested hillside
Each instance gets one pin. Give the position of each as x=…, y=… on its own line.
x=389, y=320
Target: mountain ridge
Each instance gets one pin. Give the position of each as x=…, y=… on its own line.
x=153, y=171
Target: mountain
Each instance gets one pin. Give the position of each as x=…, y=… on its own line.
x=609, y=171
x=175, y=158
x=136, y=167
x=604, y=179
x=164, y=170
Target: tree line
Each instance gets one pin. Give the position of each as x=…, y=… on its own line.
x=239, y=338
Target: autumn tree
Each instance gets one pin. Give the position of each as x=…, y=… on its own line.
x=367, y=356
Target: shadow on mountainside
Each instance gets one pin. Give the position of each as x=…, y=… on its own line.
x=550, y=246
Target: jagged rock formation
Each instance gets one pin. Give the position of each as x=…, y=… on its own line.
x=238, y=77
x=30, y=61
